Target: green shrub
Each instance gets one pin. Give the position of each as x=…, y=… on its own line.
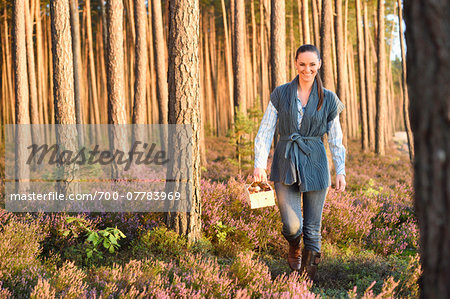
x=161, y=240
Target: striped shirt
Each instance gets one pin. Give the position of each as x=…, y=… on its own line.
x=263, y=140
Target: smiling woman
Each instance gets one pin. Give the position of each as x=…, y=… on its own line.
x=306, y=111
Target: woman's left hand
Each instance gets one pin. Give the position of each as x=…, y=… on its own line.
x=340, y=183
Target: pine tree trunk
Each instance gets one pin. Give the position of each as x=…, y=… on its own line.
x=63, y=89
x=305, y=22
x=239, y=58
x=152, y=115
x=253, y=45
x=202, y=93
x=115, y=68
x=10, y=104
x=325, y=42
x=427, y=38
x=353, y=91
x=278, y=42
x=93, y=79
x=184, y=104
x=228, y=60
x=368, y=82
x=290, y=57
x=404, y=87
x=362, y=78
x=76, y=50
x=115, y=79
x=34, y=110
x=207, y=74
x=264, y=97
x=341, y=69
x=316, y=27
x=63, y=83
x=22, y=137
x=381, y=84
x=299, y=19
x=140, y=69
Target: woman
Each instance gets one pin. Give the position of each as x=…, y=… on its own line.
x=305, y=112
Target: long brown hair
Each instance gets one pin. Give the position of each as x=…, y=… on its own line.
x=312, y=48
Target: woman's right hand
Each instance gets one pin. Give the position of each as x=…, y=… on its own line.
x=259, y=174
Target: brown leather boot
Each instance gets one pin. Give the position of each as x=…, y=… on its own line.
x=310, y=260
x=294, y=258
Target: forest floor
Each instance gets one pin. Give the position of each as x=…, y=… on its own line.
x=369, y=241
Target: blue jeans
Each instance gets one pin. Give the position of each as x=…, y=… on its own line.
x=289, y=204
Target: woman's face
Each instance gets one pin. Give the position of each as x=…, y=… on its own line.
x=307, y=65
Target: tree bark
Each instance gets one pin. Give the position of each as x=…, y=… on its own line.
x=115, y=80
x=115, y=68
x=93, y=79
x=341, y=69
x=305, y=22
x=428, y=44
x=239, y=58
x=299, y=19
x=278, y=42
x=184, y=104
x=76, y=50
x=254, y=43
x=381, y=83
x=263, y=65
x=368, y=82
x=325, y=42
x=228, y=59
x=22, y=170
x=140, y=69
x=63, y=89
x=34, y=110
x=362, y=82
x=404, y=87
x=316, y=26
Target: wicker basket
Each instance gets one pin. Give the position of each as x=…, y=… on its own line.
x=260, y=199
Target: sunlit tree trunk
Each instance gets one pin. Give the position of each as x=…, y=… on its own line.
x=253, y=44
x=140, y=69
x=264, y=97
x=63, y=88
x=115, y=79
x=63, y=83
x=115, y=69
x=341, y=69
x=184, y=102
x=34, y=110
x=229, y=65
x=362, y=78
x=325, y=42
x=316, y=26
x=305, y=22
x=77, y=71
x=239, y=57
x=368, y=82
x=22, y=170
x=93, y=77
x=381, y=84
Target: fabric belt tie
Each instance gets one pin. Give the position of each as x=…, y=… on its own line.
x=294, y=147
